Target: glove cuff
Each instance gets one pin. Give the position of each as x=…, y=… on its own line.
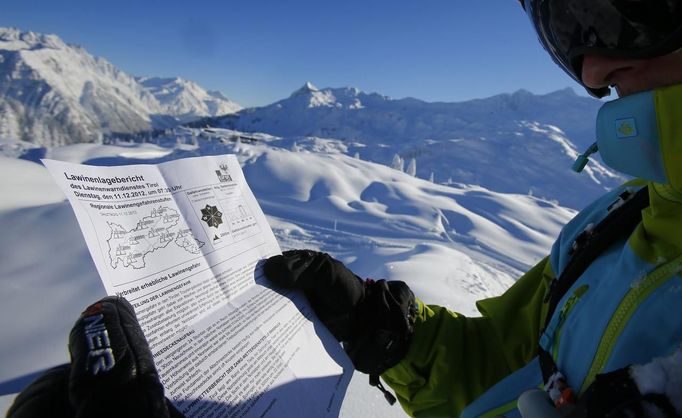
x=383, y=326
x=46, y=396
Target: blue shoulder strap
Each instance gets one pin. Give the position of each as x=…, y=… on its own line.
x=622, y=219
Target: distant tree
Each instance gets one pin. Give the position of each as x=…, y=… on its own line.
x=295, y=147
x=412, y=167
x=431, y=179
x=357, y=155
x=398, y=163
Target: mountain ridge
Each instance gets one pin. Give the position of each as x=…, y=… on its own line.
x=561, y=107
x=53, y=93
x=516, y=142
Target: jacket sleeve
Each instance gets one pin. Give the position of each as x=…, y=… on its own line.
x=453, y=359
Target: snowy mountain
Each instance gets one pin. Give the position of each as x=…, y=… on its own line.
x=52, y=93
x=513, y=143
x=186, y=100
x=349, y=113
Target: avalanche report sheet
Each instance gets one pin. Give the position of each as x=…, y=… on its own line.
x=183, y=241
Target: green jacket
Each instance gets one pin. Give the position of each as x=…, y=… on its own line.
x=454, y=359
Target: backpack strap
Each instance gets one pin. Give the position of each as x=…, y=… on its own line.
x=624, y=215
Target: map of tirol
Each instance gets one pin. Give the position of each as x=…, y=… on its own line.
x=153, y=232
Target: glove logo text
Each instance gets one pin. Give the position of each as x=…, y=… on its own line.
x=100, y=356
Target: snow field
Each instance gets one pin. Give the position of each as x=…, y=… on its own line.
x=451, y=244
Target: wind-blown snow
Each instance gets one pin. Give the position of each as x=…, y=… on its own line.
x=451, y=244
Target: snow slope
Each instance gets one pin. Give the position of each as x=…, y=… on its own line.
x=452, y=244
x=513, y=143
x=52, y=93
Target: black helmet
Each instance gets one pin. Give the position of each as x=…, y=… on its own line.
x=569, y=29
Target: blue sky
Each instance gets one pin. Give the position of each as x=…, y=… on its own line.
x=257, y=52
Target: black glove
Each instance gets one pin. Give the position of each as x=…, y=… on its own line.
x=615, y=395
x=47, y=396
x=112, y=372
x=373, y=319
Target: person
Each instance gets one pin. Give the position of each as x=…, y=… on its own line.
x=597, y=323
x=586, y=321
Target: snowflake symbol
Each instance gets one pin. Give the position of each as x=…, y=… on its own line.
x=212, y=216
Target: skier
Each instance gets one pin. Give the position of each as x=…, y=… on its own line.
x=597, y=324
